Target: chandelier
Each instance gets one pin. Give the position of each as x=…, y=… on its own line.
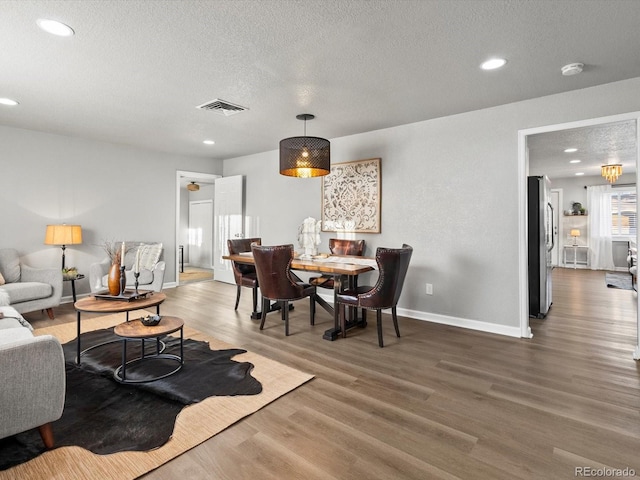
x=611, y=172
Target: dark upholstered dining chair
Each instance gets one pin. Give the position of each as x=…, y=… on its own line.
x=338, y=247
x=273, y=267
x=245, y=275
x=393, y=264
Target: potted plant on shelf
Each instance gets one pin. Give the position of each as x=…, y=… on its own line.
x=576, y=207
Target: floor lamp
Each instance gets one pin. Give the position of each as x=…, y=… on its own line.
x=63, y=235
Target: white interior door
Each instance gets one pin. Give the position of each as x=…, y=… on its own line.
x=228, y=216
x=201, y=233
x=555, y=203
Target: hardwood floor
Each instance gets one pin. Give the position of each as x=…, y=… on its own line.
x=440, y=402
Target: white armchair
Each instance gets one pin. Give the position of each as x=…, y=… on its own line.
x=151, y=268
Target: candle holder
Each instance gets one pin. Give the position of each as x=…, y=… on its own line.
x=136, y=274
x=123, y=280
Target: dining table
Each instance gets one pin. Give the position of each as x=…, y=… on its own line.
x=344, y=269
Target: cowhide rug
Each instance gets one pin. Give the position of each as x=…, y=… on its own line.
x=104, y=416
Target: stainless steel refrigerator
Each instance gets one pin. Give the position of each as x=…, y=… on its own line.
x=541, y=242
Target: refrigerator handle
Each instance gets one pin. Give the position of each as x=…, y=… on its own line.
x=553, y=238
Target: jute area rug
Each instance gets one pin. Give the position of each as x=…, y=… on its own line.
x=195, y=423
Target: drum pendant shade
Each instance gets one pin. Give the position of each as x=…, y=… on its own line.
x=305, y=157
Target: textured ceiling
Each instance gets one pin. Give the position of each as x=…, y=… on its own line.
x=136, y=69
x=597, y=145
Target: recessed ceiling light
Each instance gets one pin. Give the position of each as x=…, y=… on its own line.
x=570, y=150
x=8, y=101
x=208, y=142
x=493, y=63
x=55, y=28
x=579, y=174
x=575, y=161
x=572, y=69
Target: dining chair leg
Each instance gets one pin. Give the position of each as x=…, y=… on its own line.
x=285, y=313
x=395, y=320
x=379, y=321
x=238, y=297
x=312, y=307
x=265, y=309
x=255, y=298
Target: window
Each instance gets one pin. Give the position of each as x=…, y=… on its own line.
x=623, y=212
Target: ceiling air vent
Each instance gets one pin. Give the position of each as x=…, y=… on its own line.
x=222, y=107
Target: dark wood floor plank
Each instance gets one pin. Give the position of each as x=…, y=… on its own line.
x=438, y=402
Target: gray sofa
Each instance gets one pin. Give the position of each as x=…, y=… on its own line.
x=32, y=375
x=28, y=289
x=151, y=269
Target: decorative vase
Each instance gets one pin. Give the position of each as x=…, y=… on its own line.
x=113, y=280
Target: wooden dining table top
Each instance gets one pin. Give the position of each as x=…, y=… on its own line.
x=341, y=266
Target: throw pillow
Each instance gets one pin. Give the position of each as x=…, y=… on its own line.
x=2, y=282
x=149, y=255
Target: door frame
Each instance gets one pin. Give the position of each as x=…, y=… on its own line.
x=557, y=251
x=523, y=173
x=180, y=174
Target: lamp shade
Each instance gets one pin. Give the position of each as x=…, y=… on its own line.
x=305, y=157
x=63, y=235
x=575, y=232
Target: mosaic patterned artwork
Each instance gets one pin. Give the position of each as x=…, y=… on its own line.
x=351, y=197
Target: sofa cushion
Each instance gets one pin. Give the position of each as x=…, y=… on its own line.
x=10, y=265
x=11, y=335
x=10, y=313
x=4, y=298
x=7, y=323
x=27, y=291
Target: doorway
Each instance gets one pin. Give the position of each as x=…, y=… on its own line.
x=206, y=181
x=524, y=169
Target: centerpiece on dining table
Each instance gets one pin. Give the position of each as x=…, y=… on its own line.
x=309, y=237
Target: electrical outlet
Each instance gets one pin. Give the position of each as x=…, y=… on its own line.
x=429, y=289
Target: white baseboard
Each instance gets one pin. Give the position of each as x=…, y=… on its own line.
x=452, y=321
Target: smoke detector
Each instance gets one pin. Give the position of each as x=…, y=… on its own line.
x=193, y=187
x=222, y=107
x=572, y=69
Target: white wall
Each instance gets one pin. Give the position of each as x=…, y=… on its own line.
x=114, y=191
x=449, y=189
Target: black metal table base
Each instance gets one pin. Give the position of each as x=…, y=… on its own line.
x=120, y=373
x=333, y=333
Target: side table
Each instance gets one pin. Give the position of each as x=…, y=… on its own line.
x=135, y=330
x=80, y=276
x=576, y=249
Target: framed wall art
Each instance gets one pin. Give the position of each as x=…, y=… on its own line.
x=351, y=197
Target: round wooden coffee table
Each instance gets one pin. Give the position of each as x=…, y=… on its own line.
x=135, y=330
x=100, y=305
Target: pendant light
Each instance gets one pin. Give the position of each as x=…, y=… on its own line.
x=305, y=157
x=611, y=171
x=193, y=187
